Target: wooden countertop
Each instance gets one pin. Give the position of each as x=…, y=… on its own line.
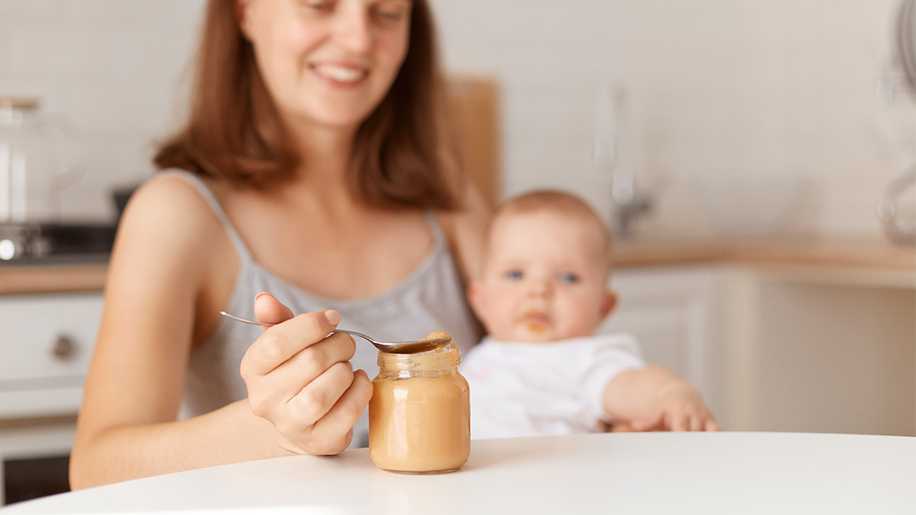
x=868, y=254
x=52, y=278
x=858, y=253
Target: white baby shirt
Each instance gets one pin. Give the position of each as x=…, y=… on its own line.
x=527, y=389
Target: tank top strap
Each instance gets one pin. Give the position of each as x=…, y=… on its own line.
x=438, y=234
x=204, y=191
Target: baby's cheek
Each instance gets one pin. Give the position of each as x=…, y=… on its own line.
x=497, y=322
x=578, y=321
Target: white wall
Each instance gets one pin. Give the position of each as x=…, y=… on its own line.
x=724, y=94
x=112, y=67
x=727, y=97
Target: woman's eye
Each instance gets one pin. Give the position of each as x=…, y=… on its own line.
x=569, y=278
x=394, y=12
x=319, y=5
x=513, y=275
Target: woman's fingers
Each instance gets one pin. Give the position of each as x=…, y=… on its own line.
x=283, y=341
x=301, y=379
x=269, y=311
x=711, y=425
x=344, y=414
x=320, y=395
x=309, y=364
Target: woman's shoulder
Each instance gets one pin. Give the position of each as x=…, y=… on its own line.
x=170, y=197
x=171, y=215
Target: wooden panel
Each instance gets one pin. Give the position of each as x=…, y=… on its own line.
x=475, y=117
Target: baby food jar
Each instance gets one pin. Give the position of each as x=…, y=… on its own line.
x=419, y=417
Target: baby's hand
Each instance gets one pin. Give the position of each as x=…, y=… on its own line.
x=678, y=407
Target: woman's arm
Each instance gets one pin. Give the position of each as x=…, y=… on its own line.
x=166, y=274
x=127, y=427
x=228, y=435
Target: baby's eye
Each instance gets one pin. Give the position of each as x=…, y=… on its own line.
x=569, y=278
x=513, y=275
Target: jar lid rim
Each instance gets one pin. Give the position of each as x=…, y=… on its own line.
x=446, y=356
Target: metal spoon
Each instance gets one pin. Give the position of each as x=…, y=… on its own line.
x=405, y=347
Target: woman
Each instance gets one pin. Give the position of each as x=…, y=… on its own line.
x=312, y=166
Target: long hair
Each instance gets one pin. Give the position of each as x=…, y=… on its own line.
x=402, y=155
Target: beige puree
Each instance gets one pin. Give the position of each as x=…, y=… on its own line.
x=419, y=417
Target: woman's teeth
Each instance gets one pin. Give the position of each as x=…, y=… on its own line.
x=341, y=73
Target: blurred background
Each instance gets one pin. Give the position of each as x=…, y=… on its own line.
x=752, y=158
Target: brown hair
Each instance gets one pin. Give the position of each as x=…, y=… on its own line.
x=401, y=155
x=558, y=202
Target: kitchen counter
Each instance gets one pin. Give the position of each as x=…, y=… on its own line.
x=858, y=254
x=52, y=278
x=866, y=253
x=683, y=473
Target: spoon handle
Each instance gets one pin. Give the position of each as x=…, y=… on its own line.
x=240, y=319
x=253, y=322
x=361, y=335
x=382, y=346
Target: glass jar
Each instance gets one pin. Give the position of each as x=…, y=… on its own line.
x=37, y=151
x=419, y=416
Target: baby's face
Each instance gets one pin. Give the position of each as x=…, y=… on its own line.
x=545, y=279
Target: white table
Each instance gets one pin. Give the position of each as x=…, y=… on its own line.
x=670, y=473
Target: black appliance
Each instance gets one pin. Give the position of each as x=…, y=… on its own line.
x=43, y=242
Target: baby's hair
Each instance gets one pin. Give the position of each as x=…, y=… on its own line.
x=558, y=202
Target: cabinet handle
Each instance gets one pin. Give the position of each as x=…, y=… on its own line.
x=64, y=347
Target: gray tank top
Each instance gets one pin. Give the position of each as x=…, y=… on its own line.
x=431, y=298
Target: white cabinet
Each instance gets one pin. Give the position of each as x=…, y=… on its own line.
x=825, y=350
x=46, y=345
x=782, y=348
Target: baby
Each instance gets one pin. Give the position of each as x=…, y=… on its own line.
x=542, y=369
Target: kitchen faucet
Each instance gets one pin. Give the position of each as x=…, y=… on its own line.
x=627, y=210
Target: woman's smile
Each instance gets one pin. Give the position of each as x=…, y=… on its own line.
x=343, y=75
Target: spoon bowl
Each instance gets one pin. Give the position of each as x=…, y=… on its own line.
x=402, y=347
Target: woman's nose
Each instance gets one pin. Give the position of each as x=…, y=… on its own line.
x=353, y=30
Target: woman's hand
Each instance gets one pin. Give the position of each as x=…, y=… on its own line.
x=300, y=379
